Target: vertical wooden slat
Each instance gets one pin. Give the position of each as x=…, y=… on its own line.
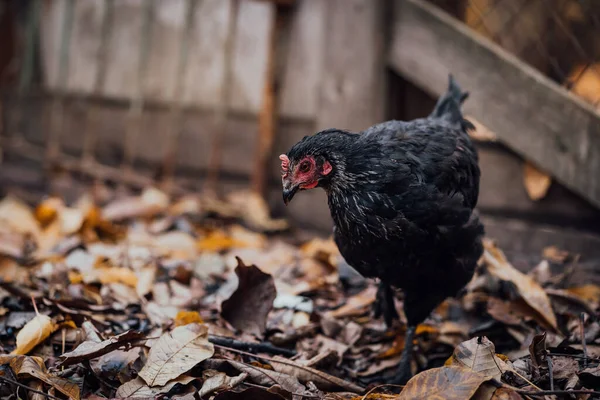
x=223, y=106
x=12, y=138
x=93, y=121
x=136, y=110
x=57, y=110
x=175, y=120
x=278, y=46
x=352, y=86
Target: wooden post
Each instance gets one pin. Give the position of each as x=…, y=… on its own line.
x=278, y=45
x=353, y=70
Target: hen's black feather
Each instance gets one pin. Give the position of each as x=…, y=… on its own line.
x=402, y=198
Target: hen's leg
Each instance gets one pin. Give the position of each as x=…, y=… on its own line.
x=404, y=368
x=384, y=304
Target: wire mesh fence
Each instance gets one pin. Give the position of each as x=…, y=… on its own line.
x=557, y=37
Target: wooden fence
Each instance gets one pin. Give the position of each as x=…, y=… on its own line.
x=213, y=90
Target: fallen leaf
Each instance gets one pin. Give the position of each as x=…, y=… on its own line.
x=536, y=182
x=175, y=353
x=445, y=383
x=151, y=202
x=590, y=377
x=145, y=280
x=529, y=290
x=215, y=381
x=503, y=311
x=34, y=367
x=249, y=394
x=137, y=388
x=555, y=254
x=479, y=355
x=33, y=333
x=355, y=305
x=91, y=348
x=255, y=211
x=187, y=317
x=590, y=293
x=263, y=376
x=321, y=379
x=251, y=302
x=503, y=393
x=218, y=241
x=481, y=133
x=107, y=275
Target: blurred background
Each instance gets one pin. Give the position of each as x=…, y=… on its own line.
x=203, y=95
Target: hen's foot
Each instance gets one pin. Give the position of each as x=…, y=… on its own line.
x=384, y=304
x=404, y=367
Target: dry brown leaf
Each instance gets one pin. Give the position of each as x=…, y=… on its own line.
x=145, y=280
x=481, y=133
x=255, y=211
x=536, y=182
x=586, y=82
x=249, y=305
x=18, y=216
x=589, y=293
x=92, y=348
x=151, y=202
x=252, y=393
x=34, y=367
x=555, y=254
x=175, y=353
x=531, y=292
x=504, y=393
x=215, y=381
x=355, y=305
x=305, y=374
x=137, y=388
x=479, y=355
x=263, y=376
x=33, y=333
x=445, y=383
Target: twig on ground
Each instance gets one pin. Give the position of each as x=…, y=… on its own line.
x=264, y=347
x=582, y=333
x=7, y=380
x=550, y=372
x=557, y=392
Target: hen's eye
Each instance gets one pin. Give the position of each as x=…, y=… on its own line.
x=304, y=167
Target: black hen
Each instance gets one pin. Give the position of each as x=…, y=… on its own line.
x=401, y=195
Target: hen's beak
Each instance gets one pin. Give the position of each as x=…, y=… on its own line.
x=289, y=190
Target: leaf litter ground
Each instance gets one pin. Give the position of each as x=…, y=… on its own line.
x=146, y=296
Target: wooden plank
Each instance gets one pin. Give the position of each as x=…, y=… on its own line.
x=352, y=86
x=202, y=83
x=302, y=75
x=535, y=117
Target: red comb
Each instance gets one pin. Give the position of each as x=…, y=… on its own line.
x=285, y=162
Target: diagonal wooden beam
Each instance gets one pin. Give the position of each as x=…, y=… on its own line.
x=534, y=116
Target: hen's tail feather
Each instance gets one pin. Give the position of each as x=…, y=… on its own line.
x=448, y=107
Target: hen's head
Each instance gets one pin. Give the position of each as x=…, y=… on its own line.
x=312, y=162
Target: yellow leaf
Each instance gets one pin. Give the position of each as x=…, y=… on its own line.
x=116, y=275
x=33, y=333
x=536, y=182
x=47, y=211
x=187, y=317
x=75, y=277
x=589, y=293
x=218, y=241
